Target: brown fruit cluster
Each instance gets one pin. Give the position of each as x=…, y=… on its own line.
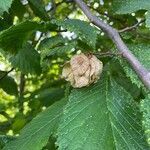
x=82, y=70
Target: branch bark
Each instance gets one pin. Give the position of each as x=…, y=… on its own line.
x=140, y=70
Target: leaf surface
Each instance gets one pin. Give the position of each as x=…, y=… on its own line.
x=36, y=134
x=148, y=19
x=51, y=42
x=82, y=28
x=4, y=139
x=39, y=8
x=142, y=52
x=56, y=46
x=102, y=116
x=145, y=108
x=5, y=5
x=27, y=60
x=8, y=84
x=12, y=39
x=129, y=6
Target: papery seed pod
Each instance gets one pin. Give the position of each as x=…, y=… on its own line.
x=80, y=82
x=96, y=68
x=82, y=70
x=79, y=64
x=67, y=73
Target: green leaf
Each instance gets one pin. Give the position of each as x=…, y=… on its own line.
x=59, y=51
x=5, y=5
x=27, y=60
x=129, y=6
x=56, y=46
x=101, y=117
x=17, y=9
x=47, y=96
x=5, y=139
x=19, y=122
x=145, y=108
x=117, y=72
x=35, y=135
x=148, y=19
x=12, y=39
x=52, y=42
x=38, y=8
x=83, y=30
x=8, y=84
x=142, y=52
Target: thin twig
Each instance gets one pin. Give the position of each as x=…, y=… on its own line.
x=65, y=30
x=35, y=42
x=5, y=114
x=21, y=92
x=105, y=54
x=54, y=7
x=6, y=73
x=141, y=71
x=132, y=27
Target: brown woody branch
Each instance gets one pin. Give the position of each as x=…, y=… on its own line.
x=141, y=71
